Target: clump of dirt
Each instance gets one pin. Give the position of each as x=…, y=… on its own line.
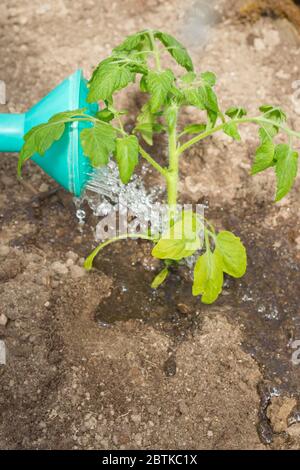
x=253, y=9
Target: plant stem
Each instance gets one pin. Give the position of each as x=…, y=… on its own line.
x=173, y=170
x=89, y=260
x=155, y=50
x=152, y=162
x=256, y=120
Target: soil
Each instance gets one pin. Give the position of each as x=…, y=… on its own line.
x=99, y=361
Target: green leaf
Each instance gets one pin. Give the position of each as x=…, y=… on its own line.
x=159, y=84
x=127, y=152
x=40, y=138
x=236, y=113
x=286, y=169
x=194, y=97
x=66, y=115
x=188, y=77
x=143, y=84
x=145, y=124
x=109, y=76
x=274, y=113
x=169, y=249
x=208, y=276
x=105, y=115
x=160, y=278
x=264, y=157
x=98, y=142
x=187, y=227
x=181, y=239
x=210, y=98
x=132, y=42
x=209, y=78
x=230, y=128
x=194, y=128
x=233, y=253
x=176, y=49
x=267, y=132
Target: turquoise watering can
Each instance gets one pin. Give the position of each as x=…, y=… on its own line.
x=64, y=161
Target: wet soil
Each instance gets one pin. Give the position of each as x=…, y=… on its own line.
x=100, y=360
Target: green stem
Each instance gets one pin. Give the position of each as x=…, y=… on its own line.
x=173, y=170
x=256, y=120
x=152, y=162
x=155, y=50
x=89, y=260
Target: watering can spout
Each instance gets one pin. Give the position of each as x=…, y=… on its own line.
x=11, y=132
x=64, y=161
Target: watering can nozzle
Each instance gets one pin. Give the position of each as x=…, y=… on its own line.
x=64, y=161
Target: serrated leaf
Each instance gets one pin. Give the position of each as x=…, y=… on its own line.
x=65, y=115
x=132, y=42
x=145, y=124
x=38, y=140
x=160, y=278
x=98, y=142
x=176, y=49
x=127, y=152
x=210, y=98
x=109, y=76
x=188, y=77
x=264, y=157
x=209, y=78
x=143, y=84
x=233, y=253
x=274, y=113
x=159, y=84
x=194, y=128
x=208, y=276
x=146, y=131
x=230, y=128
x=286, y=169
x=267, y=132
x=195, y=98
x=236, y=113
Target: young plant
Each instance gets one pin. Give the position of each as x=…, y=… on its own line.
x=139, y=57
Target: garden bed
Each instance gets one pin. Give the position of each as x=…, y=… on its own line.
x=100, y=361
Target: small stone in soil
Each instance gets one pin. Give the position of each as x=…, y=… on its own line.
x=59, y=267
x=3, y=320
x=73, y=256
x=183, y=308
x=77, y=271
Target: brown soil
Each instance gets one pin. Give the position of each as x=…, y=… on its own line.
x=97, y=361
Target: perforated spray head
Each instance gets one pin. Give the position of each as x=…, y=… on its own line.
x=64, y=161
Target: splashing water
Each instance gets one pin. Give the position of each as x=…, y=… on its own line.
x=106, y=194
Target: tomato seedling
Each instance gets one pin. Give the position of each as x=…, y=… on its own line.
x=139, y=57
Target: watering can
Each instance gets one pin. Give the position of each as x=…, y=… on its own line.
x=64, y=161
